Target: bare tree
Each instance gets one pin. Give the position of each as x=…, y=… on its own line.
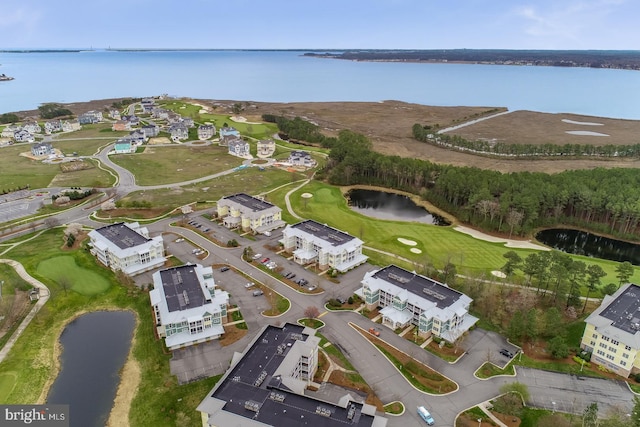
x=311, y=312
x=51, y=222
x=65, y=283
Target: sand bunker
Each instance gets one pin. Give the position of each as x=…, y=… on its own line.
x=415, y=250
x=306, y=195
x=406, y=241
x=499, y=274
x=573, y=122
x=585, y=133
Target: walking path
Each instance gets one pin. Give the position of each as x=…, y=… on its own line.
x=44, y=297
x=469, y=123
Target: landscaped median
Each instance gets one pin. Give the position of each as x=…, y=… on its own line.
x=419, y=375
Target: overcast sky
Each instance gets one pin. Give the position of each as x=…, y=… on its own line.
x=321, y=24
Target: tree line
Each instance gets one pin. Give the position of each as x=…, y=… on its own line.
x=484, y=147
x=297, y=129
x=600, y=200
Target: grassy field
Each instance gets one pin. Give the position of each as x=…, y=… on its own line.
x=166, y=165
x=92, y=177
x=97, y=130
x=249, y=180
x=30, y=364
x=18, y=171
x=84, y=147
x=439, y=244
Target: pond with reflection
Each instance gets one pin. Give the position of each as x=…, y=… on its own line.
x=392, y=206
x=582, y=243
x=94, y=349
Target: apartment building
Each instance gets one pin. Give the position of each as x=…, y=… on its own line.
x=127, y=247
x=310, y=241
x=249, y=213
x=405, y=298
x=612, y=333
x=267, y=386
x=188, y=307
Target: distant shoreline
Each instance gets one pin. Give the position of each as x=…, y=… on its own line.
x=599, y=59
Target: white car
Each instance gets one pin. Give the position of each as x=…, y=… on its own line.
x=425, y=415
x=248, y=285
x=256, y=256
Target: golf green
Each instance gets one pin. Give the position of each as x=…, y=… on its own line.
x=67, y=273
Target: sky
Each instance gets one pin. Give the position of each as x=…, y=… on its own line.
x=321, y=24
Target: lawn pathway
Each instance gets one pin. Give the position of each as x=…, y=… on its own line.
x=44, y=297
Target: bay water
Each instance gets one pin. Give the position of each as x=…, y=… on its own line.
x=288, y=76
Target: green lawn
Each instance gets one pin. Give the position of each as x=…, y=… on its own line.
x=18, y=171
x=65, y=271
x=249, y=180
x=97, y=130
x=439, y=244
x=84, y=147
x=166, y=165
x=160, y=401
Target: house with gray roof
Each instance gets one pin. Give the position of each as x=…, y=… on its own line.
x=179, y=132
x=187, y=305
x=150, y=130
x=301, y=158
x=267, y=385
x=407, y=298
x=10, y=130
x=32, y=127
x=41, y=149
x=127, y=247
x=266, y=148
x=239, y=148
x=228, y=133
x=206, y=131
x=612, y=332
x=23, y=136
x=249, y=213
x=311, y=242
x=51, y=126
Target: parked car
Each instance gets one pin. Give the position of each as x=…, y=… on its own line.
x=256, y=256
x=341, y=300
x=506, y=353
x=425, y=415
x=291, y=276
x=374, y=331
x=223, y=269
x=264, y=260
x=179, y=240
x=257, y=293
x=248, y=285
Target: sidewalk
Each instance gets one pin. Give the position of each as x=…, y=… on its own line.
x=44, y=297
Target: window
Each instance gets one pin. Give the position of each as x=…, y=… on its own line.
x=606, y=338
x=609, y=356
x=623, y=363
x=625, y=355
x=603, y=345
x=594, y=336
x=600, y=352
x=612, y=350
x=614, y=342
x=593, y=343
x=626, y=347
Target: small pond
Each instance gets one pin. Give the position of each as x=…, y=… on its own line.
x=582, y=243
x=397, y=207
x=94, y=349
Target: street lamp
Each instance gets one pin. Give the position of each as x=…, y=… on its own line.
x=554, y=407
x=479, y=422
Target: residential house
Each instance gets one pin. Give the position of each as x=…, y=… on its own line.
x=23, y=136
x=266, y=386
x=228, y=133
x=41, y=149
x=32, y=127
x=612, y=333
x=71, y=125
x=52, y=126
x=137, y=137
x=407, y=298
x=239, y=148
x=301, y=158
x=121, y=125
x=127, y=247
x=249, y=213
x=160, y=113
x=10, y=130
x=133, y=120
x=206, y=131
x=148, y=104
x=188, y=122
x=114, y=114
x=266, y=147
x=124, y=146
x=179, y=132
x=150, y=131
x=90, y=117
x=312, y=242
x=188, y=307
